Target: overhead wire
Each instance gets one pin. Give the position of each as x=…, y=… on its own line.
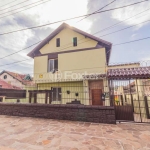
x=34, y=27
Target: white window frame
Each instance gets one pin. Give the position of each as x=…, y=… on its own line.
x=49, y=69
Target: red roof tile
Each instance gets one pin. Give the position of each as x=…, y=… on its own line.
x=140, y=72
x=19, y=77
x=6, y=85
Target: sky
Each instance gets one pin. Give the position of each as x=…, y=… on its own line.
x=54, y=10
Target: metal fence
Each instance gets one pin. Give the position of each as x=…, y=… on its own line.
x=75, y=92
x=131, y=98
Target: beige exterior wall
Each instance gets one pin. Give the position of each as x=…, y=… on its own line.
x=40, y=64
x=66, y=42
x=73, y=87
x=90, y=61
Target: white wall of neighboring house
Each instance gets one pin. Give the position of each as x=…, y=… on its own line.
x=11, y=80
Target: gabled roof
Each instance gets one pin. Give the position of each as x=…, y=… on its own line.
x=19, y=77
x=101, y=42
x=6, y=85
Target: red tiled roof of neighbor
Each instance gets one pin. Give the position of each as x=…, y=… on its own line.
x=6, y=85
x=141, y=72
x=19, y=77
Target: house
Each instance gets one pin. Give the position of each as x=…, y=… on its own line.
x=6, y=86
x=66, y=61
x=15, y=86
x=16, y=79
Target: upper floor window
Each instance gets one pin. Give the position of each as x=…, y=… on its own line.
x=52, y=65
x=75, y=41
x=58, y=42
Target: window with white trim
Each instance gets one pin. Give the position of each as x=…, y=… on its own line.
x=52, y=65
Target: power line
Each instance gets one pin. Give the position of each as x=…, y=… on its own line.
x=14, y=62
x=132, y=41
x=7, y=3
x=125, y=28
x=101, y=36
x=69, y=43
x=97, y=10
x=109, y=27
x=14, y=5
x=22, y=7
x=19, y=50
x=80, y=39
x=107, y=52
x=34, y=27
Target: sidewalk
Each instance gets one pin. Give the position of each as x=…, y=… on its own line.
x=18, y=133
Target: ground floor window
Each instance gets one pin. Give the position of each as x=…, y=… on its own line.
x=56, y=94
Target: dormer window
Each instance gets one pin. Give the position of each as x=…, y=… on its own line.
x=75, y=41
x=58, y=42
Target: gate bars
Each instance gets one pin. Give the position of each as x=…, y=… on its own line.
x=131, y=98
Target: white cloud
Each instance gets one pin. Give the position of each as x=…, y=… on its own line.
x=59, y=10
x=125, y=13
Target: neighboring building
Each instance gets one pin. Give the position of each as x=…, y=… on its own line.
x=146, y=84
x=5, y=85
x=15, y=79
x=63, y=58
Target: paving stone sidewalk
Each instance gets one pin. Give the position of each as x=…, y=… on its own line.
x=19, y=133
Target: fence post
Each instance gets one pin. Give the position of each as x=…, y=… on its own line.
x=112, y=100
x=30, y=97
x=50, y=99
x=35, y=97
x=46, y=97
x=132, y=102
x=122, y=100
x=146, y=107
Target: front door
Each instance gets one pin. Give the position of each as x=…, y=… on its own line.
x=96, y=97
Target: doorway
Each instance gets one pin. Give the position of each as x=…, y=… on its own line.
x=96, y=97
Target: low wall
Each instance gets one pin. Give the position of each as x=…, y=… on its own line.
x=98, y=114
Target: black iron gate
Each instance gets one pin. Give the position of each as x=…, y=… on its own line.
x=131, y=99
